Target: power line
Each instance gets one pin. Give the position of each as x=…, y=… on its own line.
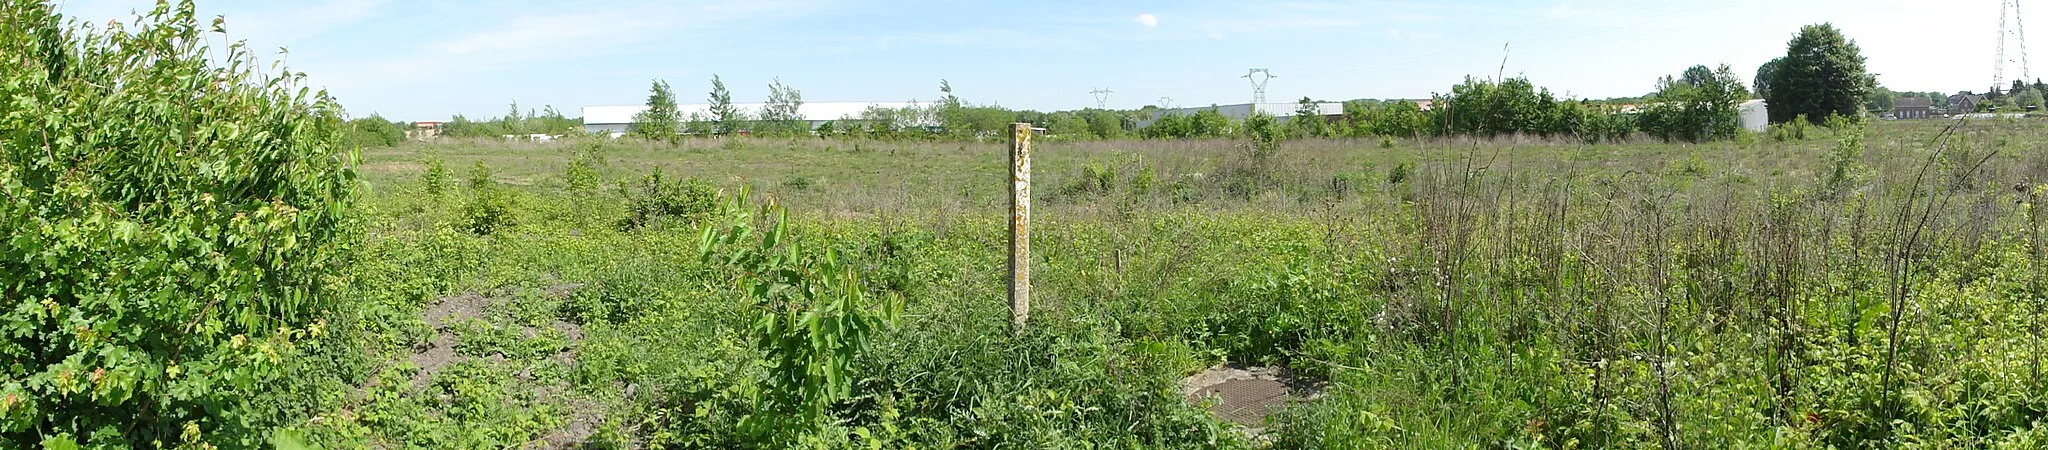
x=1259, y=78
x=2016, y=26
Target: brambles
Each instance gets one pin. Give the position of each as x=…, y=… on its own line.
x=176, y=226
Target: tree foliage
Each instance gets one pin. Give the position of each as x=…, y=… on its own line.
x=724, y=118
x=372, y=131
x=1697, y=76
x=1764, y=75
x=1516, y=106
x=1308, y=121
x=1821, y=75
x=176, y=221
x=1207, y=123
x=781, y=116
x=515, y=123
x=661, y=118
x=1696, y=110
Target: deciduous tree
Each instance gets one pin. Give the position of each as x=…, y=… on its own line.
x=1822, y=74
x=782, y=115
x=725, y=118
x=660, y=119
x=1764, y=75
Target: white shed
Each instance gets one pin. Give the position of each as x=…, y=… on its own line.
x=1755, y=116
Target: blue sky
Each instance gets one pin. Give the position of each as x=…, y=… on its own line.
x=428, y=60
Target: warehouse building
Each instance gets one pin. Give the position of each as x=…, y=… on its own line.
x=1238, y=112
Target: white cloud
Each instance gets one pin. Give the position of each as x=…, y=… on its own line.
x=1148, y=20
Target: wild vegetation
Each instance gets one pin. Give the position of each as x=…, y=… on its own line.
x=1877, y=285
x=177, y=230
x=216, y=275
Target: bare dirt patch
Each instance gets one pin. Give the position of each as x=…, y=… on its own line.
x=440, y=352
x=585, y=416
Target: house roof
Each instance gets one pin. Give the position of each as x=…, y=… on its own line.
x=623, y=114
x=1912, y=102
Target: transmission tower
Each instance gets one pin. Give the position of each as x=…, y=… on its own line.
x=2016, y=28
x=1101, y=97
x=1166, y=103
x=1259, y=78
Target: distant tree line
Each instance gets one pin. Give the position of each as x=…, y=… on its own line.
x=1821, y=76
x=515, y=122
x=947, y=118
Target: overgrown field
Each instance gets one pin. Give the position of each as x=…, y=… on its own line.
x=1879, y=287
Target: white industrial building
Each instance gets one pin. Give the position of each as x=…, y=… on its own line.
x=1754, y=115
x=1282, y=111
x=615, y=120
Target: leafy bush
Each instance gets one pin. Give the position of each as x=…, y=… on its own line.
x=810, y=319
x=1794, y=130
x=1698, y=108
x=1206, y=123
x=1398, y=173
x=175, y=227
x=1145, y=179
x=372, y=131
x=582, y=174
x=435, y=180
x=1844, y=165
x=797, y=182
x=654, y=200
x=489, y=208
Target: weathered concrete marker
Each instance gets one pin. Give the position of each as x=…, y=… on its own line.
x=1020, y=223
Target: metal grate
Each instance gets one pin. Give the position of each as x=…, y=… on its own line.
x=1245, y=402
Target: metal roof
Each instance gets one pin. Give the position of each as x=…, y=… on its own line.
x=619, y=115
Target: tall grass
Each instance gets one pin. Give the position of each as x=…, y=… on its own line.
x=1879, y=288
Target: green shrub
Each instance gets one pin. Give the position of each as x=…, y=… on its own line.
x=435, y=180
x=812, y=319
x=1844, y=165
x=1146, y=178
x=1790, y=131
x=1398, y=173
x=583, y=172
x=654, y=200
x=480, y=177
x=797, y=182
x=487, y=212
x=372, y=131
x=176, y=222
x=489, y=208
